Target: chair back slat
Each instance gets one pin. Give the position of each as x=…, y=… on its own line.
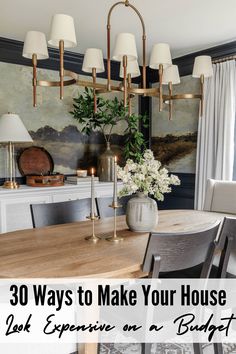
x=105, y=211
x=47, y=214
x=179, y=251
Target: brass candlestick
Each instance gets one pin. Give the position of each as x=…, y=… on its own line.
x=114, y=237
x=93, y=238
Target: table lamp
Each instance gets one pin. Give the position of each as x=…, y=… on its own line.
x=12, y=130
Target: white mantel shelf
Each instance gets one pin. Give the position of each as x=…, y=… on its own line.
x=15, y=203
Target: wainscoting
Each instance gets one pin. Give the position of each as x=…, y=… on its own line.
x=181, y=197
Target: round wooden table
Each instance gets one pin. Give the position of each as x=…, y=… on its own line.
x=61, y=250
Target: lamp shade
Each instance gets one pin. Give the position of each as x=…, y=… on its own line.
x=62, y=28
x=125, y=45
x=171, y=74
x=132, y=69
x=35, y=43
x=93, y=58
x=12, y=129
x=160, y=55
x=202, y=66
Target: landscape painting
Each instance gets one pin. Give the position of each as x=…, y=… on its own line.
x=50, y=124
x=174, y=142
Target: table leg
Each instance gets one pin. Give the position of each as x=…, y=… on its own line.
x=87, y=348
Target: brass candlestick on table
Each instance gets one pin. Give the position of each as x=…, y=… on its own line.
x=93, y=238
x=115, y=206
x=92, y=217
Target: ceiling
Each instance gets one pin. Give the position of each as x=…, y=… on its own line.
x=187, y=25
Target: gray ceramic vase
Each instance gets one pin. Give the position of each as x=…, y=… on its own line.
x=141, y=213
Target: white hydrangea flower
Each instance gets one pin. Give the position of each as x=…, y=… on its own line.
x=147, y=177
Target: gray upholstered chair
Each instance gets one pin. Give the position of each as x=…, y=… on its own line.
x=221, y=197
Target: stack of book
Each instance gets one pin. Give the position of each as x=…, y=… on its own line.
x=80, y=180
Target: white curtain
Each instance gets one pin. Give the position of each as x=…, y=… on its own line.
x=215, y=146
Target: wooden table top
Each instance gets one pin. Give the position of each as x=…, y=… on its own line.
x=61, y=251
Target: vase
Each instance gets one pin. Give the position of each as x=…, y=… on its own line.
x=106, y=165
x=141, y=213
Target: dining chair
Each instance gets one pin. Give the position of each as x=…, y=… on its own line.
x=104, y=211
x=46, y=214
x=221, y=197
x=172, y=253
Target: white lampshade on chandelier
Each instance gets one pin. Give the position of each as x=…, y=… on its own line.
x=171, y=77
x=202, y=66
x=93, y=63
x=63, y=35
x=93, y=59
x=12, y=130
x=132, y=69
x=125, y=45
x=62, y=29
x=35, y=43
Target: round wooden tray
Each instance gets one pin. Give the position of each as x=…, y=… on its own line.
x=35, y=160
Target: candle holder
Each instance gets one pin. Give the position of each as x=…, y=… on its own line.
x=114, y=237
x=93, y=238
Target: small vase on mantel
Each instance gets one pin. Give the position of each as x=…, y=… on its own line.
x=141, y=213
x=106, y=165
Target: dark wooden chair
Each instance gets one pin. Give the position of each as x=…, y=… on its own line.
x=168, y=255
x=226, y=243
x=47, y=214
x=104, y=211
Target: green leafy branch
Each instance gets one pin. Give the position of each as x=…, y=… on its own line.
x=109, y=113
x=135, y=143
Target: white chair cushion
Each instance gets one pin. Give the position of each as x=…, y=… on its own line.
x=221, y=196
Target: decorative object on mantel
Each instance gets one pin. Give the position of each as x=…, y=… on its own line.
x=108, y=114
x=81, y=173
x=81, y=180
x=106, y=165
x=115, y=206
x=144, y=178
x=37, y=165
x=93, y=216
x=12, y=130
x=62, y=35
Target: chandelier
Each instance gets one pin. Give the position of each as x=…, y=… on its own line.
x=62, y=35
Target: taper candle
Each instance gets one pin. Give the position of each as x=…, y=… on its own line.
x=92, y=194
x=115, y=182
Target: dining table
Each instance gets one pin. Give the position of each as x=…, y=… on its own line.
x=61, y=251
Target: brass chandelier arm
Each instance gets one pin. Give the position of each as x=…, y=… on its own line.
x=44, y=83
x=127, y=4
x=34, y=62
x=185, y=96
x=72, y=81
x=170, y=88
x=142, y=91
x=109, y=44
x=61, y=50
x=100, y=88
x=144, y=42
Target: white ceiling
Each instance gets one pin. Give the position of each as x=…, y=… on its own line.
x=187, y=25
